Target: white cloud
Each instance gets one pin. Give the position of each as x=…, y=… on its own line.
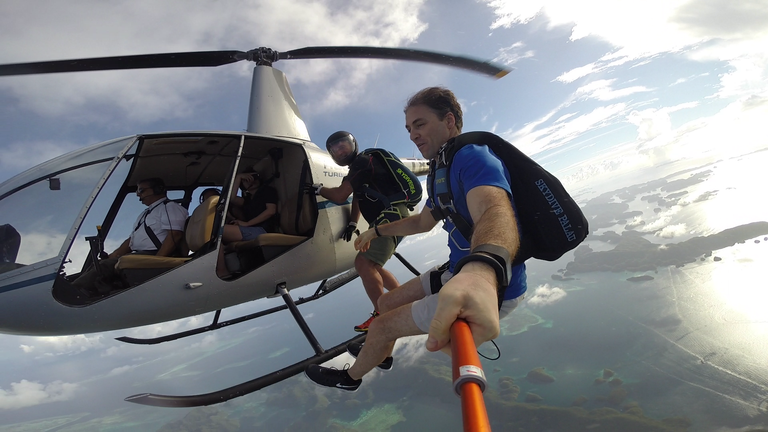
x=25, y=393
x=602, y=90
x=672, y=231
x=120, y=370
x=650, y=123
x=539, y=135
x=513, y=54
x=546, y=295
x=19, y=156
x=409, y=350
x=704, y=30
x=141, y=27
x=60, y=345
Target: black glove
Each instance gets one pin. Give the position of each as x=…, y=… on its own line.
x=313, y=188
x=349, y=230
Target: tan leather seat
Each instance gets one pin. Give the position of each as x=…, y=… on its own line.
x=291, y=227
x=197, y=233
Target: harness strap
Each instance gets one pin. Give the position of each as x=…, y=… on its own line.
x=442, y=203
x=152, y=236
x=403, y=195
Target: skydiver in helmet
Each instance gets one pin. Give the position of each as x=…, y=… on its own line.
x=371, y=183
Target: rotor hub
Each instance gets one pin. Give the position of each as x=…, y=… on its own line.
x=262, y=56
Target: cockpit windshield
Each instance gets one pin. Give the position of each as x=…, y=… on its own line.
x=39, y=207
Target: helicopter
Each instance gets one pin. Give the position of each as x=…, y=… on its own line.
x=57, y=218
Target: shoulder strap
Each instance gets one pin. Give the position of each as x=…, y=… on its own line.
x=443, y=207
x=152, y=236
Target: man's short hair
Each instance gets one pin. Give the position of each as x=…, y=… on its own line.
x=441, y=101
x=156, y=184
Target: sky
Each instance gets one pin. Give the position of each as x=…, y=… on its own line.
x=599, y=89
x=603, y=74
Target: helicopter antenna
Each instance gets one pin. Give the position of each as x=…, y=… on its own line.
x=377, y=141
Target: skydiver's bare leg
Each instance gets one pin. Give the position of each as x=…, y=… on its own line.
x=409, y=292
x=389, y=280
x=382, y=334
x=371, y=277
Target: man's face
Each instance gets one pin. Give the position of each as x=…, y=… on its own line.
x=144, y=191
x=426, y=130
x=341, y=149
x=251, y=181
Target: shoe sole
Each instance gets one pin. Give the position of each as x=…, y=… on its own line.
x=326, y=387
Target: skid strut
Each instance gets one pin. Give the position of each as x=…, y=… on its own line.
x=321, y=356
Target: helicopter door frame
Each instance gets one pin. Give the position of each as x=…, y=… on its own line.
x=226, y=191
x=71, y=236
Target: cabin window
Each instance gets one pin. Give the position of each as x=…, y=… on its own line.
x=43, y=204
x=97, y=213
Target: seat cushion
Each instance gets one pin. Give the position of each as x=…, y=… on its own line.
x=268, y=239
x=148, y=261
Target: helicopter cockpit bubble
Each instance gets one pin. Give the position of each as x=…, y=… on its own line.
x=47, y=218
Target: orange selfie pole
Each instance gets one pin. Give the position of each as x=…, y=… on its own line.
x=468, y=378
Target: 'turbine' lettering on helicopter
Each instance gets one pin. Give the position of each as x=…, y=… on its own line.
x=333, y=174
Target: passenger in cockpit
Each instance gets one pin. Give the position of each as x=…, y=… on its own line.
x=256, y=209
x=157, y=231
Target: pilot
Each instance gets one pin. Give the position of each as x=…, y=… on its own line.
x=365, y=172
x=157, y=231
x=255, y=210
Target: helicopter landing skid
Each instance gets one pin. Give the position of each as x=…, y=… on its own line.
x=327, y=286
x=243, y=388
x=321, y=355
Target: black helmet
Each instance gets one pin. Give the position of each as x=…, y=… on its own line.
x=342, y=146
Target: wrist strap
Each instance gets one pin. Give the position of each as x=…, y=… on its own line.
x=376, y=229
x=479, y=257
x=497, y=258
x=501, y=255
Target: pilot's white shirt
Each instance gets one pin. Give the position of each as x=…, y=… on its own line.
x=160, y=221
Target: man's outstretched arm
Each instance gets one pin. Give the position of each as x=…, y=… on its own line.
x=472, y=294
x=415, y=224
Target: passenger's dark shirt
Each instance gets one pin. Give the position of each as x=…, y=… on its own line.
x=256, y=204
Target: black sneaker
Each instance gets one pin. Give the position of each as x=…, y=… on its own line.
x=332, y=377
x=353, y=348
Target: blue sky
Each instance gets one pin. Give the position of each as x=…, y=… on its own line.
x=597, y=76
x=600, y=88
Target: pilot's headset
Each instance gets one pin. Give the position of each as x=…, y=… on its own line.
x=342, y=147
x=157, y=185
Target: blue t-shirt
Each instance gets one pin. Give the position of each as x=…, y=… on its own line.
x=473, y=166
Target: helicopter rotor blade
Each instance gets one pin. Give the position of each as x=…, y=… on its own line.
x=261, y=55
x=480, y=66
x=144, y=61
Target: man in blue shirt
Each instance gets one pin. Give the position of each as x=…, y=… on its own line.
x=476, y=284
